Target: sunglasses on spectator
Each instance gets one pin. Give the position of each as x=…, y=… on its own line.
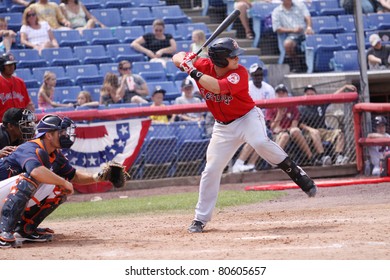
x=126, y=68
x=31, y=15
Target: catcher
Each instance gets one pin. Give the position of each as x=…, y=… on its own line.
x=36, y=178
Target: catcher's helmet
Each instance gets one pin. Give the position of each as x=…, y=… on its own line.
x=223, y=48
x=51, y=123
x=380, y=120
x=24, y=119
x=6, y=59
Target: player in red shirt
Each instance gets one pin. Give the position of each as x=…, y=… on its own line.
x=223, y=83
x=13, y=91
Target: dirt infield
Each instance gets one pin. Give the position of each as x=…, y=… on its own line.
x=340, y=223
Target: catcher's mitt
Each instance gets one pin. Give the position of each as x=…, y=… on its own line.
x=115, y=173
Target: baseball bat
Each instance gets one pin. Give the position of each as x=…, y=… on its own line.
x=227, y=21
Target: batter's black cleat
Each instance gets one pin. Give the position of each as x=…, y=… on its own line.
x=307, y=185
x=33, y=237
x=196, y=227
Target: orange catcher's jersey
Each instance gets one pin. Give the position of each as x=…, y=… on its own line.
x=233, y=104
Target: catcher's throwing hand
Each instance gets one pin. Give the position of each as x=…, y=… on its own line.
x=113, y=172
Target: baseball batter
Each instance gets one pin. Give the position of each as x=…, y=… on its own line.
x=223, y=83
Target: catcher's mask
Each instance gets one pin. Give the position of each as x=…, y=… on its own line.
x=53, y=123
x=223, y=48
x=24, y=119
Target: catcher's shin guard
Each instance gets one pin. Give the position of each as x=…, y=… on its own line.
x=16, y=202
x=34, y=215
x=299, y=176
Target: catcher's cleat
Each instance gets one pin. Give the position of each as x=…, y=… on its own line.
x=33, y=237
x=44, y=231
x=5, y=244
x=196, y=227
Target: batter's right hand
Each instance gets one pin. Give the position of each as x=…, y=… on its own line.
x=187, y=66
x=189, y=56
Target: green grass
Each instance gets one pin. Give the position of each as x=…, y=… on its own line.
x=153, y=204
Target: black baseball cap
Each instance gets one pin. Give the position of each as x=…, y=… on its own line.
x=159, y=90
x=309, y=87
x=281, y=87
x=13, y=116
x=186, y=83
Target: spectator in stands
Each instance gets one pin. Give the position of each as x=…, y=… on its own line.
x=187, y=88
x=78, y=15
x=46, y=92
x=376, y=152
x=284, y=125
x=158, y=46
x=22, y=2
x=158, y=100
x=109, y=93
x=198, y=38
x=258, y=90
x=132, y=87
x=368, y=6
x=36, y=34
x=13, y=91
x=7, y=36
x=51, y=12
x=383, y=6
x=18, y=126
x=378, y=55
x=312, y=122
x=84, y=99
x=243, y=6
x=292, y=19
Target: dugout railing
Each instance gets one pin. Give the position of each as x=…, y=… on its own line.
x=178, y=149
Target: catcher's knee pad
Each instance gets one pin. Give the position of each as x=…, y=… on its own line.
x=297, y=174
x=16, y=202
x=34, y=215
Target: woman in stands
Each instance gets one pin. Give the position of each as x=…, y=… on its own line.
x=36, y=34
x=78, y=15
x=46, y=92
x=158, y=46
x=109, y=93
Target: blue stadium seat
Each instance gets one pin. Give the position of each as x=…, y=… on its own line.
x=121, y=52
x=104, y=68
x=173, y=73
x=169, y=28
x=33, y=93
x=346, y=60
x=328, y=8
x=99, y=36
x=69, y=38
x=14, y=20
x=347, y=21
x=183, y=46
x=248, y=60
x=94, y=90
x=58, y=109
x=28, y=58
x=185, y=30
x=66, y=94
x=347, y=40
x=27, y=77
x=170, y=14
x=149, y=3
x=136, y=16
x=84, y=74
x=150, y=71
x=189, y=130
x=60, y=56
x=127, y=34
x=62, y=78
x=3, y=7
x=109, y=17
x=122, y=105
x=171, y=90
x=95, y=54
x=92, y=4
x=118, y=4
x=379, y=21
x=322, y=46
x=259, y=12
x=326, y=24
x=161, y=130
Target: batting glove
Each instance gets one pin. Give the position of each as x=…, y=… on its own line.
x=187, y=66
x=189, y=56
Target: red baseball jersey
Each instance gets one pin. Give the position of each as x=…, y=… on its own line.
x=233, y=104
x=13, y=93
x=292, y=114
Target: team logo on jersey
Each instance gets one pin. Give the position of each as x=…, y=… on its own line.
x=233, y=78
